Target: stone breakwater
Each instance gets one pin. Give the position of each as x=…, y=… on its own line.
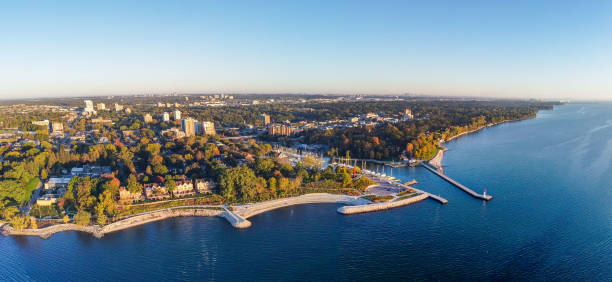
x=381, y=206
x=99, y=232
x=235, y=219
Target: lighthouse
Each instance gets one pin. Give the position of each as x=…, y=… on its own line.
x=485, y=193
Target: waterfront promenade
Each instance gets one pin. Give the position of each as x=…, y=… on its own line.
x=457, y=184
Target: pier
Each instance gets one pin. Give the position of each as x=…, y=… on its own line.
x=435, y=197
x=457, y=184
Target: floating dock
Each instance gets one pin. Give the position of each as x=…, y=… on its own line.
x=457, y=184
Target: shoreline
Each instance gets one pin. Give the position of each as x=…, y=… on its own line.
x=237, y=218
x=483, y=127
x=99, y=232
x=436, y=161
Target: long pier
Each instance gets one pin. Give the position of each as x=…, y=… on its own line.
x=435, y=197
x=457, y=184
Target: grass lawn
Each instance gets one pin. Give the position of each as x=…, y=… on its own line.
x=378, y=199
x=408, y=196
x=405, y=192
x=30, y=186
x=44, y=211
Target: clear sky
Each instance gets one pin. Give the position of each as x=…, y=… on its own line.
x=536, y=49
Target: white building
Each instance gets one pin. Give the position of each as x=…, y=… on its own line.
x=165, y=117
x=147, y=118
x=177, y=115
x=101, y=106
x=41, y=123
x=57, y=127
x=88, y=106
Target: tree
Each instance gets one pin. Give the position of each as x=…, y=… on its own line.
x=283, y=185
x=101, y=218
x=170, y=185
x=9, y=212
x=264, y=166
x=409, y=149
x=66, y=219
x=44, y=174
x=19, y=222
x=133, y=185
x=82, y=218
x=238, y=182
x=210, y=150
x=33, y=224
x=84, y=188
x=346, y=178
x=272, y=186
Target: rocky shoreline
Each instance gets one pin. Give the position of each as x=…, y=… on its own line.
x=237, y=218
x=99, y=232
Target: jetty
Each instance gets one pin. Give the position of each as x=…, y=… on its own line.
x=457, y=184
x=234, y=219
x=435, y=197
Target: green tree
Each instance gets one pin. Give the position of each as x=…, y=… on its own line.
x=264, y=166
x=238, y=183
x=133, y=185
x=82, y=218
x=20, y=222
x=170, y=185
x=283, y=186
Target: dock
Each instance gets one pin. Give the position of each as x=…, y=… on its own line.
x=457, y=184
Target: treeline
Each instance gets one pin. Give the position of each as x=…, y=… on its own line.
x=435, y=120
x=266, y=179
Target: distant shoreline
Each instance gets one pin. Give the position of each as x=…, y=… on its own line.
x=437, y=159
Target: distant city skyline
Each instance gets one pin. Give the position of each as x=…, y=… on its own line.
x=521, y=49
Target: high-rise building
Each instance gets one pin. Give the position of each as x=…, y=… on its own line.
x=280, y=129
x=207, y=128
x=177, y=115
x=166, y=117
x=101, y=106
x=147, y=118
x=118, y=107
x=188, y=126
x=57, y=127
x=408, y=114
x=88, y=106
x=265, y=119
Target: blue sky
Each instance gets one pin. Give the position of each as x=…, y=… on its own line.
x=536, y=49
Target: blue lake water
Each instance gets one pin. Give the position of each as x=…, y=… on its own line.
x=550, y=219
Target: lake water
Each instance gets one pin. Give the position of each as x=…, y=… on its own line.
x=550, y=219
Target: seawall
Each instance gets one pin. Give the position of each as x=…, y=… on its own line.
x=381, y=206
x=99, y=232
